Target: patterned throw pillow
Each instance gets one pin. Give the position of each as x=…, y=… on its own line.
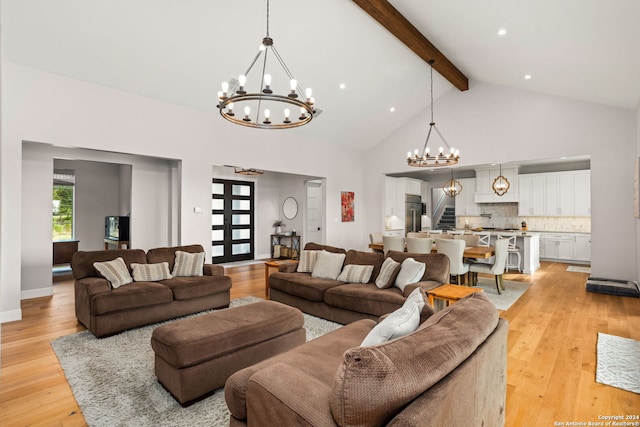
x=388, y=273
x=188, y=264
x=116, y=272
x=353, y=273
x=151, y=272
x=307, y=261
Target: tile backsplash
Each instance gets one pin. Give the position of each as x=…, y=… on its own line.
x=505, y=215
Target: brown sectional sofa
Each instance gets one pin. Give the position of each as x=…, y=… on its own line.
x=106, y=311
x=450, y=372
x=346, y=303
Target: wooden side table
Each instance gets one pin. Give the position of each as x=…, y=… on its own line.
x=451, y=293
x=120, y=244
x=273, y=264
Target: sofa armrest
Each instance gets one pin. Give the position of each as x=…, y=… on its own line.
x=91, y=286
x=213, y=270
x=425, y=285
x=288, y=267
x=283, y=395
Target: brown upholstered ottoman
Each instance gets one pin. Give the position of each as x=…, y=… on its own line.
x=195, y=356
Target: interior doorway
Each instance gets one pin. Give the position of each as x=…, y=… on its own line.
x=314, y=219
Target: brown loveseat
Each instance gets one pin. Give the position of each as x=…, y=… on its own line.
x=450, y=372
x=105, y=310
x=348, y=302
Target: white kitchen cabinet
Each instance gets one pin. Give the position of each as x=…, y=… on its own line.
x=531, y=195
x=558, y=246
x=484, y=182
x=465, y=201
x=582, y=247
x=412, y=186
x=559, y=194
x=582, y=193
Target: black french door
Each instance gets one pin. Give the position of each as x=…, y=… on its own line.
x=232, y=215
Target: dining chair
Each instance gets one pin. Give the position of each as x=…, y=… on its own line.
x=375, y=237
x=455, y=232
x=497, y=268
x=435, y=231
x=418, y=234
x=469, y=239
x=485, y=238
x=419, y=245
x=392, y=243
x=513, y=250
x=454, y=249
x=441, y=236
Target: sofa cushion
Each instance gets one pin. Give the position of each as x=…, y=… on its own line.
x=374, y=259
x=411, y=271
x=188, y=264
x=134, y=295
x=82, y=261
x=374, y=383
x=355, y=273
x=318, y=358
x=328, y=265
x=307, y=261
x=388, y=273
x=186, y=288
x=317, y=247
x=115, y=271
x=151, y=272
x=364, y=298
x=157, y=255
x=437, y=264
x=399, y=323
x=301, y=285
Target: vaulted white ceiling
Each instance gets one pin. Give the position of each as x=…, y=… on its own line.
x=180, y=51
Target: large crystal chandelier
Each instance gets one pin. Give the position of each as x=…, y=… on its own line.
x=427, y=159
x=254, y=99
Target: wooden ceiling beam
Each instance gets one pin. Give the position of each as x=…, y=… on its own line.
x=387, y=15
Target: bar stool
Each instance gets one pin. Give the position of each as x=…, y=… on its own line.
x=513, y=250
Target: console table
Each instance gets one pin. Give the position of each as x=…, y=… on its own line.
x=280, y=239
x=120, y=244
x=63, y=250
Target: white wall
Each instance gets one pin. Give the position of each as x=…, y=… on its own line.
x=498, y=124
x=47, y=108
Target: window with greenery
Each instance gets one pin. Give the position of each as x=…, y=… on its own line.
x=63, y=205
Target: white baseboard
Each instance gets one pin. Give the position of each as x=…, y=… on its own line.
x=10, y=316
x=36, y=293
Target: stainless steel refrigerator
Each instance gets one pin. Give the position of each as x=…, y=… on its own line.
x=412, y=213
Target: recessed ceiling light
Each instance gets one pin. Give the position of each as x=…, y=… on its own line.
x=502, y=32
x=343, y=86
x=392, y=109
x=527, y=76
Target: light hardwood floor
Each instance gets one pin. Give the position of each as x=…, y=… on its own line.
x=551, y=352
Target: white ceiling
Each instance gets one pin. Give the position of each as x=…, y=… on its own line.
x=180, y=51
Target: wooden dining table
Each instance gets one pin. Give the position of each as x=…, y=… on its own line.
x=476, y=252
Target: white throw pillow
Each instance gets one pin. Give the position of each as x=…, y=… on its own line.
x=188, y=264
x=151, y=272
x=307, y=261
x=116, y=272
x=353, y=273
x=328, y=265
x=401, y=322
x=410, y=272
x=388, y=273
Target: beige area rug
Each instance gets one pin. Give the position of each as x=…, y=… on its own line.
x=579, y=269
x=114, y=383
x=506, y=298
x=618, y=362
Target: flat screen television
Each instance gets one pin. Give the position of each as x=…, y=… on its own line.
x=116, y=228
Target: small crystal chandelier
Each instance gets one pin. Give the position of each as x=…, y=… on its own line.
x=426, y=159
x=452, y=187
x=500, y=184
x=299, y=106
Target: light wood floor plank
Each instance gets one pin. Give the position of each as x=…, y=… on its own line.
x=550, y=369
